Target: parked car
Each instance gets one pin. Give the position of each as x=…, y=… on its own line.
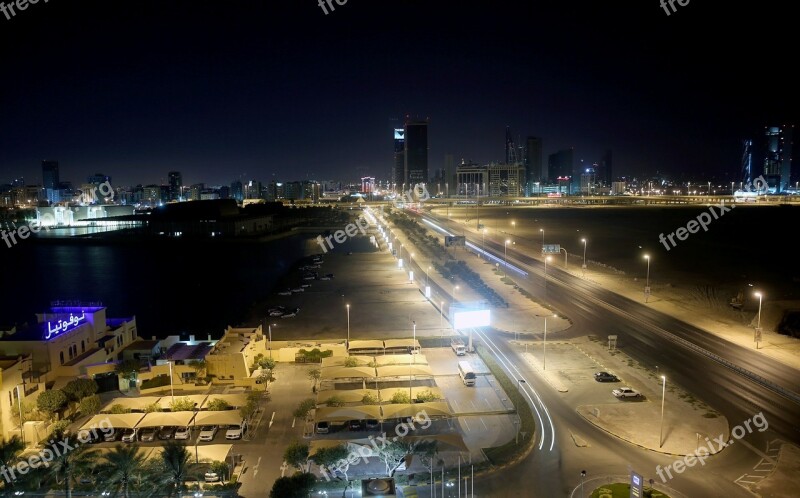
x=207, y=433
x=373, y=424
x=147, y=435
x=305, y=286
x=298, y=289
x=129, y=435
x=605, y=377
x=287, y=292
x=309, y=277
x=323, y=427
x=329, y=275
x=183, y=433
x=324, y=278
x=166, y=432
x=355, y=425
x=276, y=313
x=236, y=431
x=112, y=435
x=626, y=393
x=211, y=476
x=290, y=314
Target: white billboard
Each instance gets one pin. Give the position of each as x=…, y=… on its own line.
x=470, y=319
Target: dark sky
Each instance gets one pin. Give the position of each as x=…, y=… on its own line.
x=256, y=89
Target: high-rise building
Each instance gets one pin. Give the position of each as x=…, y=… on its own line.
x=535, y=169
x=603, y=170
x=416, y=152
x=778, y=143
x=237, y=191
x=175, y=185
x=368, y=185
x=449, y=175
x=50, y=180
x=560, y=169
x=399, y=167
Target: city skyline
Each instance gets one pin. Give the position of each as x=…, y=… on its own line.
x=268, y=98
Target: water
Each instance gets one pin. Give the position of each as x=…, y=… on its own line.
x=171, y=286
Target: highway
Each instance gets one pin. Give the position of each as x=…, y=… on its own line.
x=650, y=337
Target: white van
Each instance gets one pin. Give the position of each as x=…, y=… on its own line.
x=466, y=373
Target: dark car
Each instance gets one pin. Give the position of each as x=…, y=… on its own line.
x=166, y=433
x=373, y=424
x=355, y=425
x=605, y=377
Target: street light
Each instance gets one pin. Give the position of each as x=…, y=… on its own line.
x=171, y=387
x=584, y=253
x=348, y=325
x=269, y=329
x=545, y=271
x=647, y=285
x=583, y=474
x=757, y=332
x=544, y=344
x=21, y=419
x=663, y=393
x=505, y=256
x=542, y=230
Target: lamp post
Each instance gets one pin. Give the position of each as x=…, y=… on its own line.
x=757, y=331
x=197, y=436
x=583, y=475
x=544, y=344
x=21, y=419
x=505, y=256
x=542, y=230
x=584, y=253
x=546, y=259
x=348, y=325
x=171, y=386
x=647, y=284
x=663, y=393
x=455, y=288
x=513, y=227
x=269, y=329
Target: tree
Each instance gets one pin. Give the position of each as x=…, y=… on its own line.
x=77, y=389
x=314, y=374
x=118, y=409
x=331, y=456
x=394, y=452
x=199, y=367
x=296, y=455
x=124, y=464
x=176, y=467
x=369, y=399
x=296, y=486
x=401, y=398
x=267, y=363
x=218, y=405
x=89, y=405
x=426, y=396
x=127, y=369
x=51, y=401
x=222, y=469
x=153, y=408
x=10, y=450
x=70, y=461
x=304, y=408
x=335, y=401
x=182, y=405
x=351, y=361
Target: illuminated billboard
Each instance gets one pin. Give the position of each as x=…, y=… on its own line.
x=470, y=319
x=399, y=134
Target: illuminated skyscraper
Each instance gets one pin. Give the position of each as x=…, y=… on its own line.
x=778, y=142
x=416, y=152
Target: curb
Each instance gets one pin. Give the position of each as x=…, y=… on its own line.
x=627, y=440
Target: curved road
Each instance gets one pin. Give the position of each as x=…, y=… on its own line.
x=594, y=310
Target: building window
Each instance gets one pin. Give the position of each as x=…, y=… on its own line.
x=61, y=354
x=83, y=346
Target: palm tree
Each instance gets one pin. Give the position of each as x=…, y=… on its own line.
x=177, y=467
x=124, y=464
x=71, y=460
x=9, y=453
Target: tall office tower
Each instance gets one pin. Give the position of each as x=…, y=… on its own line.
x=778, y=142
x=535, y=168
x=237, y=191
x=603, y=170
x=175, y=184
x=50, y=180
x=416, y=152
x=399, y=167
x=511, y=151
x=449, y=175
x=560, y=169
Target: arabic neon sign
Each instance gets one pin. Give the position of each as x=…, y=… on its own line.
x=60, y=326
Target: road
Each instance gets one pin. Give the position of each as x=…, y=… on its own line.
x=594, y=310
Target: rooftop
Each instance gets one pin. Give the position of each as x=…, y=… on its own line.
x=183, y=351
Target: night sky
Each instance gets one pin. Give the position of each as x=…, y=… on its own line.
x=252, y=89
